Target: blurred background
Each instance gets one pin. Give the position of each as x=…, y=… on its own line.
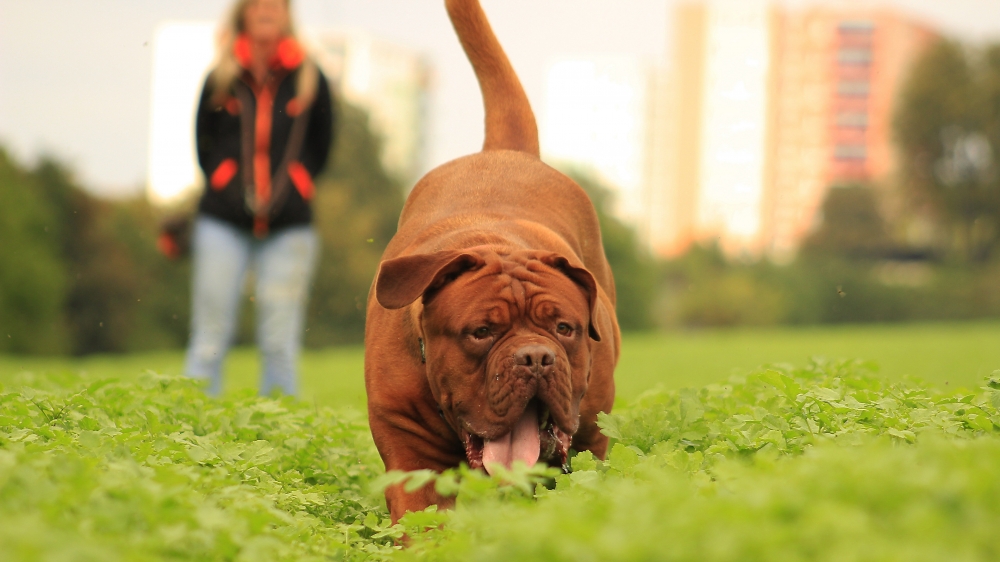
x=754, y=163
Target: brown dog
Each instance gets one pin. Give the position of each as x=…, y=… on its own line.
x=491, y=333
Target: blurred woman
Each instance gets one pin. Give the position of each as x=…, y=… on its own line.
x=264, y=130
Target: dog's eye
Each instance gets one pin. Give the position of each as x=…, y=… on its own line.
x=564, y=329
x=481, y=333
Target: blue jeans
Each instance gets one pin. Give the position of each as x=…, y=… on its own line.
x=283, y=265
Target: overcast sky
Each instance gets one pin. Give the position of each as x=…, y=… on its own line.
x=75, y=76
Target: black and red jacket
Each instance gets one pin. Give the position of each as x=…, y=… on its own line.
x=255, y=181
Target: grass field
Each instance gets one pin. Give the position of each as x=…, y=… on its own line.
x=820, y=461
x=945, y=355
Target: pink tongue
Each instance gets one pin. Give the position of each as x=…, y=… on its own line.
x=520, y=444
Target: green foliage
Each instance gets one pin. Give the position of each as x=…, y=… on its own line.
x=161, y=315
x=787, y=464
x=703, y=289
x=852, y=268
x=827, y=284
x=852, y=226
x=356, y=208
x=33, y=280
x=825, y=462
x=112, y=265
x=937, y=500
x=517, y=484
x=154, y=470
x=79, y=274
x=787, y=410
x=634, y=268
x=947, y=126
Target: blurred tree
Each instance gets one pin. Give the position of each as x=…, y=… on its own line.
x=702, y=288
x=75, y=270
x=162, y=308
x=852, y=226
x=99, y=305
x=357, y=207
x=947, y=126
x=634, y=268
x=117, y=283
x=33, y=282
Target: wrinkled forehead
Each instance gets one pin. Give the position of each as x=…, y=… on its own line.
x=501, y=294
x=539, y=279
x=475, y=293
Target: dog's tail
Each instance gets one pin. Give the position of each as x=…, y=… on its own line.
x=510, y=123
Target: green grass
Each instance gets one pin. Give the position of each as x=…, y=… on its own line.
x=149, y=468
x=331, y=377
x=946, y=355
x=825, y=462
x=822, y=462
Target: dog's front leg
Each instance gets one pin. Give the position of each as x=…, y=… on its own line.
x=407, y=445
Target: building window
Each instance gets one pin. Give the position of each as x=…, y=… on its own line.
x=856, y=56
x=850, y=152
x=853, y=120
x=866, y=27
x=853, y=88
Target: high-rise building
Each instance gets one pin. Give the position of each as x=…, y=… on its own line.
x=391, y=84
x=769, y=108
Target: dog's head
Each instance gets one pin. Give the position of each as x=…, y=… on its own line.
x=507, y=345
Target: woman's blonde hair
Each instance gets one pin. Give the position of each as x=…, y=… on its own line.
x=227, y=68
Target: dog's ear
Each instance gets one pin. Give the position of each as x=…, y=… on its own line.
x=403, y=280
x=581, y=277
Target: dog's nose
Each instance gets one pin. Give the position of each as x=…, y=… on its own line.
x=535, y=356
